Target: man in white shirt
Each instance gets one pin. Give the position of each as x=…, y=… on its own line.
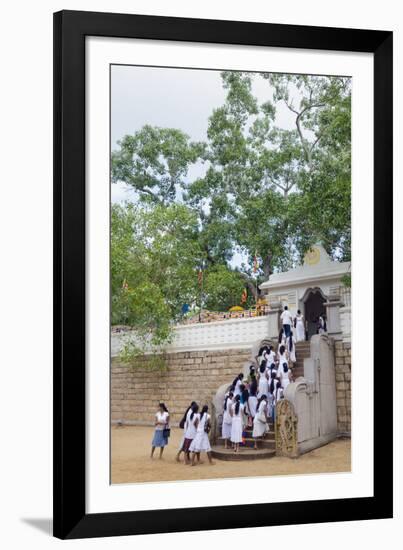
x=286, y=319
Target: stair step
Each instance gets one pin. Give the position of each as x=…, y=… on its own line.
x=250, y=442
x=244, y=453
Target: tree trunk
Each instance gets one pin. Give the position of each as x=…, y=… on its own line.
x=267, y=266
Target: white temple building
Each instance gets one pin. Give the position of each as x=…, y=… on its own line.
x=316, y=288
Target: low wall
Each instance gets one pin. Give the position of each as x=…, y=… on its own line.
x=343, y=386
x=216, y=335
x=190, y=376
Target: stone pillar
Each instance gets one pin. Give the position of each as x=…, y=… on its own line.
x=333, y=306
x=274, y=319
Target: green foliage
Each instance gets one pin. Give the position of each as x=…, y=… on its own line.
x=222, y=288
x=346, y=280
x=154, y=161
x=154, y=252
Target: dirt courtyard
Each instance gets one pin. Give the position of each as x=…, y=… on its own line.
x=131, y=463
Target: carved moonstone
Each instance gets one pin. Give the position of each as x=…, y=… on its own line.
x=286, y=428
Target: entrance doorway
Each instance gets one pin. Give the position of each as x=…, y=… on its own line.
x=314, y=307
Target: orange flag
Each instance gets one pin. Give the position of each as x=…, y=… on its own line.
x=244, y=296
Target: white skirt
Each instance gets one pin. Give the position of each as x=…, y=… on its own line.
x=200, y=443
x=236, y=430
x=263, y=387
x=226, y=430
x=259, y=428
x=300, y=331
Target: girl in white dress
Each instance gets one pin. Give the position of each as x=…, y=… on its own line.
x=236, y=428
x=281, y=337
x=278, y=394
x=270, y=405
x=291, y=348
x=285, y=374
x=270, y=357
x=201, y=443
x=236, y=384
x=282, y=355
x=183, y=424
x=263, y=380
x=274, y=383
x=227, y=419
x=272, y=373
x=300, y=326
x=190, y=431
x=260, y=420
x=252, y=404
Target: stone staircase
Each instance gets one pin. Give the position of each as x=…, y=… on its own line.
x=266, y=447
x=302, y=351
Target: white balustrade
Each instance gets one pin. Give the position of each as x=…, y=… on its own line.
x=229, y=334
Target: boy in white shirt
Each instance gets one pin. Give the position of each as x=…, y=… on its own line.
x=286, y=319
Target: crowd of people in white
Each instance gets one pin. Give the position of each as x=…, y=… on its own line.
x=249, y=403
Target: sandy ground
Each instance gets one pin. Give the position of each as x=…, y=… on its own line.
x=131, y=461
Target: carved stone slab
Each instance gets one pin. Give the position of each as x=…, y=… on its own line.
x=286, y=429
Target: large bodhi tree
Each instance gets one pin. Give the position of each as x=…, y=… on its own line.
x=267, y=190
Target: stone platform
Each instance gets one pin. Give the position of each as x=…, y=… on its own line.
x=266, y=447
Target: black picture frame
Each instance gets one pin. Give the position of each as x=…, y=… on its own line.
x=70, y=31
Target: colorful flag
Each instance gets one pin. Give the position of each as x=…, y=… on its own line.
x=244, y=296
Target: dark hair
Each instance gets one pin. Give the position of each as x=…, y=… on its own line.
x=239, y=377
x=261, y=350
x=285, y=307
x=285, y=367
x=237, y=403
x=282, y=348
x=242, y=387
x=182, y=422
x=195, y=408
x=204, y=410
x=290, y=342
x=299, y=312
x=262, y=398
x=271, y=389
x=163, y=407
x=253, y=387
x=226, y=399
x=262, y=368
x=272, y=366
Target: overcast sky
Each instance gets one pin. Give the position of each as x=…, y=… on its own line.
x=172, y=98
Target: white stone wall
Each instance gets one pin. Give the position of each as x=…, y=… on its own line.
x=229, y=334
